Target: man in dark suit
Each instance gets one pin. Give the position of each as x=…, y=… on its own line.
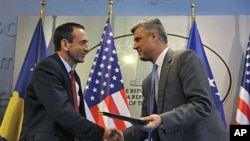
x=49, y=112
x=183, y=109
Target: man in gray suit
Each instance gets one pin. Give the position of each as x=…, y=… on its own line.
x=183, y=109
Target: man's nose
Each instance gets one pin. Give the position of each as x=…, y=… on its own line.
x=86, y=48
x=135, y=46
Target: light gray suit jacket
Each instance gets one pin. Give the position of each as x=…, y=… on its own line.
x=184, y=102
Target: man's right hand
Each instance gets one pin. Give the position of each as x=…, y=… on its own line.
x=112, y=134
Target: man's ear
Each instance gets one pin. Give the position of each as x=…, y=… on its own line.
x=155, y=36
x=65, y=44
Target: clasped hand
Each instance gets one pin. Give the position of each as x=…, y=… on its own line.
x=112, y=135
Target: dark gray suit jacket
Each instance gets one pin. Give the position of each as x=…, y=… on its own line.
x=49, y=114
x=184, y=102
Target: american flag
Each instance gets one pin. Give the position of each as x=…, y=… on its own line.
x=105, y=89
x=243, y=109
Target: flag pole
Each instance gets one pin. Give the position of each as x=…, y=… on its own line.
x=43, y=3
x=110, y=10
x=193, y=12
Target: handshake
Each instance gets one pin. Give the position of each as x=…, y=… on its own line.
x=147, y=124
x=113, y=135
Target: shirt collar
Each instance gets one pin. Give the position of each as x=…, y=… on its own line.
x=160, y=58
x=66, y=64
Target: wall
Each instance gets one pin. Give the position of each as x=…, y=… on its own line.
x=215, y=21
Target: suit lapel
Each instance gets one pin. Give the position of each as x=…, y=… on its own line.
x=68, y=85
x=163, y=79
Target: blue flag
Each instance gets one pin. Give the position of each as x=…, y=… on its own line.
x=105, y=89
x=13, y=117
x=195, y=44
x=37, y=51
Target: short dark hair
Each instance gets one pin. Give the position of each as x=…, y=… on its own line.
x=152, y=25
x=64, y=31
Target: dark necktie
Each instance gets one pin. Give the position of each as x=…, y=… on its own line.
x=152, y=95
x=73, y=87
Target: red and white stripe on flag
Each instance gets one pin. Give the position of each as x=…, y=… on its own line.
x=114, y=103
x=243, y=109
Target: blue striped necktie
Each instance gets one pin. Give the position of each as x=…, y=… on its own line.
x=152, y=95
